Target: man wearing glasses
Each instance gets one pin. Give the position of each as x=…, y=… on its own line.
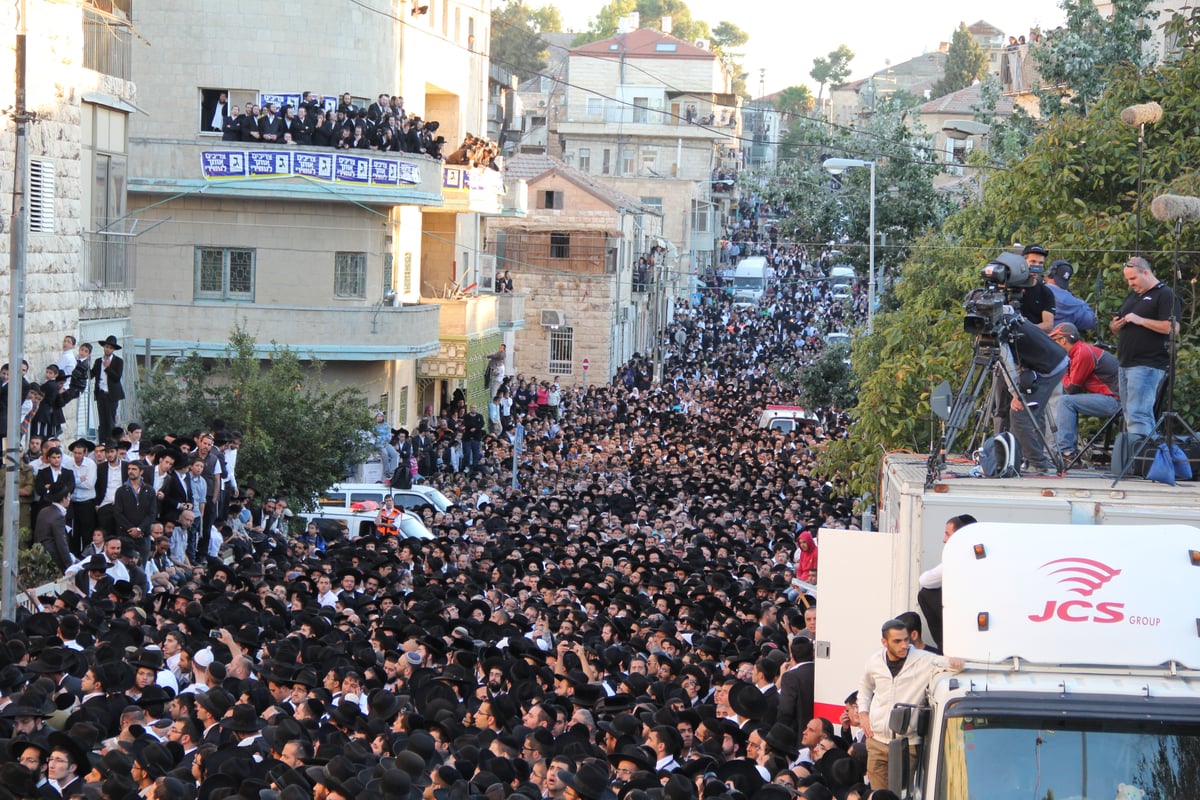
x=64, y=764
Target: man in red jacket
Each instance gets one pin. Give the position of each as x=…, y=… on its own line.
x=1089, y=387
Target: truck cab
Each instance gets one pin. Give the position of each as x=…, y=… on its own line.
x=1074, y=605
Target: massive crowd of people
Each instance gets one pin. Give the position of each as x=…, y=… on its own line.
x=633, y=620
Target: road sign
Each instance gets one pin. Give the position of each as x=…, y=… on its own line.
x=585, y=364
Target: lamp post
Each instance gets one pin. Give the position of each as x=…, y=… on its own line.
x=835, y=166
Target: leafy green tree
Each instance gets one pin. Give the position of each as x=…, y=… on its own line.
x=547, y=19
x=1076, y=61
x=828, y=381
x=650, y=13
x=965, y=63
x=1074, y=191
x=794, y=101
x=298, y=436
x=516, y=45
x=906, y=203
x=831, y=70
x=726, y=37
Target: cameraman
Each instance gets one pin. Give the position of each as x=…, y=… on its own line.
x=1089, y=387
x=1037, y=301
x=1040, y=364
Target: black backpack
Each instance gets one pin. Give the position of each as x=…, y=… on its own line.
x=1001, y=457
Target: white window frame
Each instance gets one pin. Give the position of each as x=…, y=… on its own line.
x=561, y=352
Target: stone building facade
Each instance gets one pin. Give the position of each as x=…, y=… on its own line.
x=574, y=258
x=79, y=265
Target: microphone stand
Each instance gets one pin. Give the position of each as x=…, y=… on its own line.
x=1137, y=200
x=1168, y=414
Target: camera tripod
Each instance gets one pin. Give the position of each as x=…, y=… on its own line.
x=993, y=358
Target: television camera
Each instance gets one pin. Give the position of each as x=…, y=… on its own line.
x=993, y=311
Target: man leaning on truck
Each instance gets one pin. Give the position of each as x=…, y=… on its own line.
x=897, y=674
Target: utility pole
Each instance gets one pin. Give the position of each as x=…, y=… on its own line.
x=18, y=232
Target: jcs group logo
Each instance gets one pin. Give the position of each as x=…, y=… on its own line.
x=1083, y=577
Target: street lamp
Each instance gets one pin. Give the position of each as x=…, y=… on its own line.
x=835, y=166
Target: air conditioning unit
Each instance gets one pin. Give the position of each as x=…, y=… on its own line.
x=553, y=318
x=487, y=272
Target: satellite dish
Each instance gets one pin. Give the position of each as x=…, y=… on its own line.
x=942, y=399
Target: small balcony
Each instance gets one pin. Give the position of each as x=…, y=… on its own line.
x=479, y=314
x=364, y=333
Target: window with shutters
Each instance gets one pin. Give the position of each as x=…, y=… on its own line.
x=41, y=196
x=550, y=199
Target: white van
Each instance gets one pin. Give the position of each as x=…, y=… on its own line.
x=842, y=275
x=360, y=521
x=785, y=418
x=750, y=280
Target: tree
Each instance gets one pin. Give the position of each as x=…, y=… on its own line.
x=828, y=382
x=650, y=13
x=298, y=437
x=794, y=101
x=832, y=70
x=1074, y=191
x=727, y=36
x=516, y=45
x=1077, y=60
x=965, y=63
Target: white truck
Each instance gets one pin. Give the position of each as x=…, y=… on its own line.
x=750, y=280
x=1076, y=608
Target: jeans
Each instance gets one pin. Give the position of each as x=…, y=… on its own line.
x=390, y=459
x=1068, y=407
x=1139, y=391
x=1025, y=424
x=472, y=454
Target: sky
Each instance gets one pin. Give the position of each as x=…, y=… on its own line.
x=786, y=35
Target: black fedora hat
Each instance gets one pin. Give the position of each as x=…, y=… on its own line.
x=782, y=739
x=68, y=744
x=243, y=719
x=111, y=341
x=589, y=782
x=635, y=754
x=748, y=701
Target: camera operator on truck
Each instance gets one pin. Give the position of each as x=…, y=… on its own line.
x=1041, y=365
x=1037, y=301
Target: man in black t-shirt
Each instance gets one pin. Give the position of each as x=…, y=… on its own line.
x=1037, y=301
x=1143, y=326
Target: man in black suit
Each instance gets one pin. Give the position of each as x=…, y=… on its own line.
x=135, y=508
x=52, y=478
x=270, y=127
x=231, y=129
x=379, y=109
x=50, y=530
x=796, y=687
x=107, y=371
x=177, y=491
x=302, y=127
x=93, y=579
